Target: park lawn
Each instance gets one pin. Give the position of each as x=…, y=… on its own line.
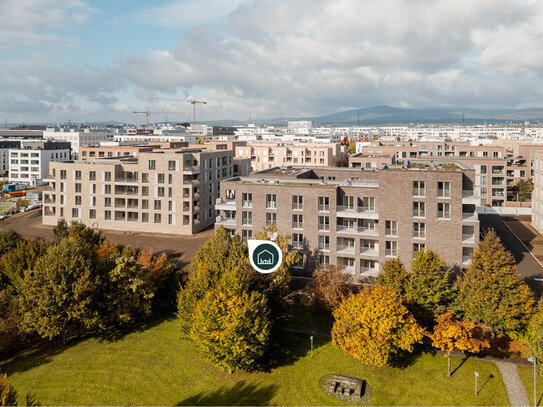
x=526, y=374
x=159, y=366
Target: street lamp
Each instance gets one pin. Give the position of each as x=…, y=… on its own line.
x=533, y=359
x=476, y=376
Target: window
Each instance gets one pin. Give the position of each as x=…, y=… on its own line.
x=419, y=230
x=417, y=247
x=246, y=218
x=368, y=265
x=160, y=178
x=391, y=228
x=297, y=240
x=107, y=215
x=443, y=189
x=443, y=210
x=145, y=217
x=483, y=169
x=160, y=191
x=419, y=209
x=144, y=177
x=157, y=218
x=324, y=203
x=297, y=221
x=170, y=178
x=324, y=259
x=246, y=234
x=247, y=200
x=78, y=199
x=324, y=223
x=144, y=191
x=271, y=218
x=62, y=174
x=419, y=188
x=368, y=203
x=483, y=191
x=157, y=205
x=297, y=202
x=171, y=219
x=324, y=242
x=92, y=175
x=75, y=212
x=107, y=176
x=77, y=175
x=171, y=165
x=107, y=202
x=144, y=204
x=152, y=164
x=271, y=201
x=92, y=213
x=391, y=248
x=77, y=187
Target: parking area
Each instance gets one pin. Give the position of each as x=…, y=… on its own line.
x=524, y=242
x=182, y=248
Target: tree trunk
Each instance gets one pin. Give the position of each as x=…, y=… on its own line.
x=449, y=363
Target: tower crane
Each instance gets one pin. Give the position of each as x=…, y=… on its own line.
x=191, y=101
x=147, y=113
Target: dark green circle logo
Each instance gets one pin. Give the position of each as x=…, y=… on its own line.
x=266, y=256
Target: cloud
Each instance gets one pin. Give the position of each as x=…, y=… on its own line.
x=32, y=22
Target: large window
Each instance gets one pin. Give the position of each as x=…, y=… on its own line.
x=247, y=200
x=297, y=202
x=419, y=189
x=324, y=223
x=391, y=228
x=368, y=203
x=246, y=218
x=324, y=203
x=443, y=210
x=391, y=248
x=271, y=218
x=271, y=201
x=246, y=234
x=297, y=221
x=324, y=242
x=419, y=230
x=419, y=209
x=443, y=189
x=297, y=240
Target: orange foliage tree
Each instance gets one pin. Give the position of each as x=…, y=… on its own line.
x=451, y=335
x=373, y=325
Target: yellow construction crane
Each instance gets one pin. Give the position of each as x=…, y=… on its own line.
x=191, y=101
x=147, y=113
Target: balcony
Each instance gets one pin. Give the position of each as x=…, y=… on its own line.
x=48, y=178
x=365, y=251
x=364, y=231
x=356, y=212
x=466, y=260
x=126, y=181
x=369, y=271
x=225, y=204
x=344, y=249
x=469, y=197
x=191, y=170
x=470, y=217
x=221, y=221
x=347, y=269
x=468, y=239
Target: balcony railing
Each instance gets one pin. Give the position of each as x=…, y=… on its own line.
x=342, y=248
x=225, y=221
x=470, y=217
x=468, y=238
x=365, y=251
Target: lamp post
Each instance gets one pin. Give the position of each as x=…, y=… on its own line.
x=476, y=376
x=311, y=338
x=533, y=359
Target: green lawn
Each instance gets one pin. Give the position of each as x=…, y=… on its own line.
x=526, y=374
x=158, y=365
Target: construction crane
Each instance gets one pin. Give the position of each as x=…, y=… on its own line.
x=147, y=113
x=191, y=101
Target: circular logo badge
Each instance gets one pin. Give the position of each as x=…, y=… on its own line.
x=265, y=255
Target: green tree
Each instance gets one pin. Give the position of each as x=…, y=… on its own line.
x=331, y=286
x=59, y=295
x=394, y=277
x=231, y=328
x=373, y=325
x=60, y=230
x=430, y=290
x=534, y=336
x=8, y=240
x=490, y=292
x=10, y=320
x=221, y=252
x=351, y=149
x=23, y=257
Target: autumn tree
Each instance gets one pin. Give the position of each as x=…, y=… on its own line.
x=373, y=325
x=221, y=252
x=451, y=335
x=230, y=327
x=331, y=286
x=20, y=258
x=491, y=293
x=534, y=335
x=8, y=240
x=430, y=290
x=10, y=320
x=161, y=273
x=394, y=277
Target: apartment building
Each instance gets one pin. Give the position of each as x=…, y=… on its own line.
x=358, y=218
x=77, y=139
x=5, y=146
x=371, y=160
x=537, y=195
x=157, y=192
x=268, y=155
x=29, y=162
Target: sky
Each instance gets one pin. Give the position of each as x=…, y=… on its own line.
x=86, y=61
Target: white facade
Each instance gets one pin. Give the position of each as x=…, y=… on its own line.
x=27, y=165
x=77, y=138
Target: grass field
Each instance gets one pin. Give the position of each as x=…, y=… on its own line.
x=526, y=374
x=159, y=366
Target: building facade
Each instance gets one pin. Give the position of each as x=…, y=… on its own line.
x=29, y=162
x=357, y=219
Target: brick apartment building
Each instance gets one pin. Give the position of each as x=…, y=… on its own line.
x=268, y=155
x=355, y=218
x=159, y=192
x=537, y=195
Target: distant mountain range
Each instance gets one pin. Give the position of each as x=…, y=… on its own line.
x=388, y=115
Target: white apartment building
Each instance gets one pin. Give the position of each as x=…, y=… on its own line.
x=77, y=139
x=30, y=162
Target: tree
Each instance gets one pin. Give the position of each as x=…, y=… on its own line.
x=430, y=291
x=58, y=295
x=221, y=252
x=490, y=292
x=331, y=286
x=8, y=240
x=162, y=274
x=23, y=257
x=456, y=336
x=231, y=327
x=394, y=277
x=534, y=336
x=10, y=319
x=351, y=149
x=60, y=230
x=373, y=325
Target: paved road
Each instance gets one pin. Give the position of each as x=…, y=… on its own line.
x=528, y=267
